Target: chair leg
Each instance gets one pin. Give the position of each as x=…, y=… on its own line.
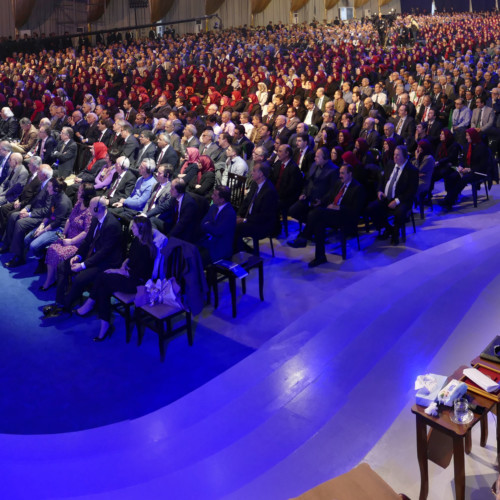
x=272, y=245
x=244, y=286
x=474, y=194
x=261, y=281
x=128, y=326
x=232, y=288
x=486, y=190
x=403, y=232
x=189, y=327
x=343, y=242
x=140, y=326
x=256, y=247
x=413, y=221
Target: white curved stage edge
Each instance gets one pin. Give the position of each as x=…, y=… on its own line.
x=308, y=405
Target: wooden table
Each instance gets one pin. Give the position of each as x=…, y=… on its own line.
x=495, y=366
x=460, y=434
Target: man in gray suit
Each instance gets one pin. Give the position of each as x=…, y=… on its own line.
x=16, y=179
x=65, y=153
x=483, y=117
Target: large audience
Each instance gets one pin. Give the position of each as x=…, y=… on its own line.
x=320, y=123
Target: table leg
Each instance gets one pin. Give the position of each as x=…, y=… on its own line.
x=215, y=288
x=459, y=466
x=422, y=457
x=498, y=432
x=468, y=443
x=484, y=429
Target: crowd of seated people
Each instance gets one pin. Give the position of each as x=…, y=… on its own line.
x=323, y=124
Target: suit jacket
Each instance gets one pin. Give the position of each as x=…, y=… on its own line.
x=130, y=148
x=161, y=199
x=488, y=118
x=307, y=161
x=320, y=180
x=9, y=128
x=12, y=187
x=317, y=117
x=284, y=135
x=115, y=142
x=124, y=188
x=91, y=135
x=28, y=139
x=351, y=204
x=60, y=208
x=216, y=153
x=372, y=138
x=175, y=142
x=170, y=156
x=46, y=154
x=192, y=143
x=187, y=224
x=144, y=153
x=130, y=115
x=107, y=245
x=265, y=206
x=106, y=137
x=29, y=191
x=67, y=155
x=220, y=230
x=408, y=129
x=407, y=185
x=81, y=127
x=40, y=204
x=322, y=107
x=290, y=186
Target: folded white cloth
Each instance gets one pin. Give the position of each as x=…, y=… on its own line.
x=482, y=380
x=426, y=384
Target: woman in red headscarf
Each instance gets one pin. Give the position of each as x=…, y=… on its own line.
x=38, y=112
x=204, y=182
x=189, y=168
x=475, y=159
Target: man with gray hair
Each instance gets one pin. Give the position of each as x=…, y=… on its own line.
x=23, y=221
x=65, y=153
x=29, y=135
x=189, y=140
x=166, y=153
x=9, y=125
x=5, y=152
x=29, y=190
x=12, y=186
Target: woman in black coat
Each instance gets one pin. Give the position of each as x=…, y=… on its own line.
x=475, y=160
x=136, y=270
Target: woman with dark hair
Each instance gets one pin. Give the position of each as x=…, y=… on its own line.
x=73, y=234
x=424, y=162
x=447, y=154
x=328, y=138
x=475, y=159
x=203, y=183
x=135, y=271
x=388, y=147
x=345, y=140
x=336, y=155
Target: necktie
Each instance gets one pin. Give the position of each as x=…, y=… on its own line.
x=424, y=118
x=113, y=187
x=153, y=197
x=94, y=240
x=480, y=119
x=337, y=199
x=392, y=184
x=400, y=126
x=280, y=175
x=176, y=211
x=160, y=158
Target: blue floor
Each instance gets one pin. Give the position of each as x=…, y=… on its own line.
x=109, y=381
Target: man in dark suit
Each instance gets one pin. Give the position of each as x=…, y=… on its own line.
x=303, y=154
x=396, y=195
x=218, y=227
x=389, y=133
x=165, y=152
x=182, y=216
x=21, y=222
x=340, y=208
x=280, y=129
x=78, y=123
x=258, y=213
x=45, y=145
x=320, y=180
x=29, y=191
x=65, y=153
x=287, y=179
x=122, y=183
x=100, y=250
x=313, y=116
x=130, y=145
x=241, y=140
x=130, y=112
x=104, y=126
x=12, y=186
x=9, y=126
x=148, y=147
x=160, y=198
